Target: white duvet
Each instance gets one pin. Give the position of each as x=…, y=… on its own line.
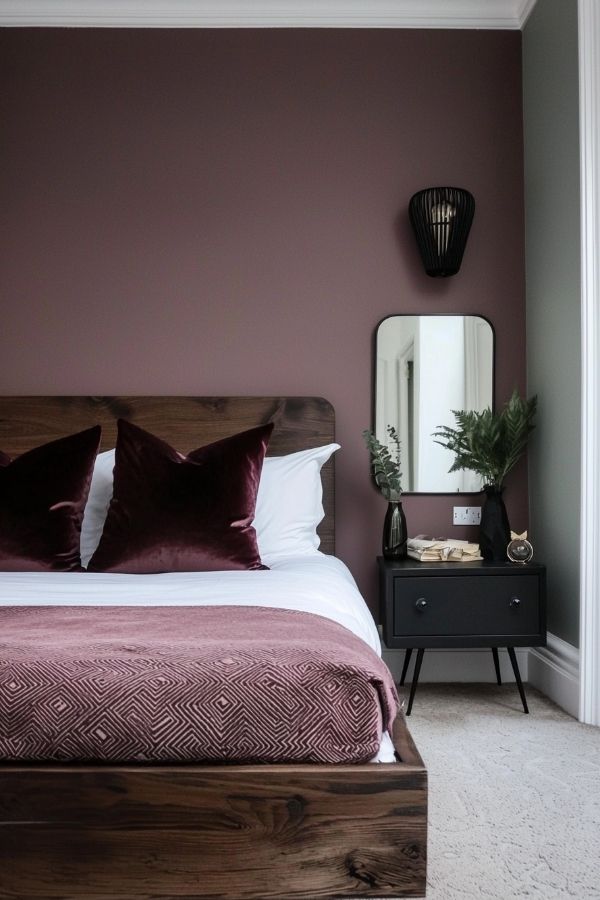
x=313, y=583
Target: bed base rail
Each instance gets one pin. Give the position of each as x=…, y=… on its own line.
x=215, y=832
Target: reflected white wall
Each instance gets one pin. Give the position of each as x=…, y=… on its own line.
x=441, y=378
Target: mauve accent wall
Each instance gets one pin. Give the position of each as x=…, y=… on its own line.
x=224, y=212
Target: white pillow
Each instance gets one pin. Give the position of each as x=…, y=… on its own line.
x=289, y=503
x=96, y=507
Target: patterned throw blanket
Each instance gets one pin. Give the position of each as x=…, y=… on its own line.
x=188, y=684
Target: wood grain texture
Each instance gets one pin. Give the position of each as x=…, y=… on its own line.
x=184, y=422
x=286, y=832
x=274, y=832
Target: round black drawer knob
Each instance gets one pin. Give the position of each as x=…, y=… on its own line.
x=514, y=602
x=421, y=604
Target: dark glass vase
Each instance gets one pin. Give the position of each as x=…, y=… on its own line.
x=394, y=531
x=494, y=530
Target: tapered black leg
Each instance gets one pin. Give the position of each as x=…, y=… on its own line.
x=415, y=679
x=407, y=656
x=515, y=665
x=496, y=664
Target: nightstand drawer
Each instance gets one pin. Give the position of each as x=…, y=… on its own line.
x=494, y=605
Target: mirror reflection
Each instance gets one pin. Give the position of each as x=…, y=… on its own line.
x=427, y=366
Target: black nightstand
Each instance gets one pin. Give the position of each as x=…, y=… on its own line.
x=477, y=604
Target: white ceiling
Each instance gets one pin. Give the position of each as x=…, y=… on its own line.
x=509, y=14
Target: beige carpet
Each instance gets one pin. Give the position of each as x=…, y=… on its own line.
x=514, y=808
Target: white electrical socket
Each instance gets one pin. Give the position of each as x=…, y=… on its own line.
x=467, y=515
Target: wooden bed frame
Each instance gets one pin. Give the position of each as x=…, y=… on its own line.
x=207, y=832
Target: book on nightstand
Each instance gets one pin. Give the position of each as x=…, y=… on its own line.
x=442, y=550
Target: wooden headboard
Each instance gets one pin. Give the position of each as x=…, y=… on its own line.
x=184, y=422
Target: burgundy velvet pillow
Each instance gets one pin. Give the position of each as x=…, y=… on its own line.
x=175, y=513
x=42, y=496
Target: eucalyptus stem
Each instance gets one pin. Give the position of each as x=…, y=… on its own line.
x=385, y=465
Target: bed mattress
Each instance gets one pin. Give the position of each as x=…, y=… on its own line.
x=281, y=665
x=187, y=684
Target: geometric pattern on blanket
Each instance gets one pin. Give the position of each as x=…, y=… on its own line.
x=188, y=684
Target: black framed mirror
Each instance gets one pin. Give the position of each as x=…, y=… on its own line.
x=425, y=367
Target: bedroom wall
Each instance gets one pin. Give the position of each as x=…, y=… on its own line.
x=222, y=212
x=551, y=114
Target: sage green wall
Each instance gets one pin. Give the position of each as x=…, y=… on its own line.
x=551, y=131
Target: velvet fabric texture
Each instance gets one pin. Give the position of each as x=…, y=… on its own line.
x=42, y=497
x=175, y=513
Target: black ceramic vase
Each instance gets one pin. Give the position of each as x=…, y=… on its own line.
x=394, y=531
x=494, y=530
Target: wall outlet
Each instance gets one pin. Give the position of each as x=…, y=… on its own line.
x=467, y=515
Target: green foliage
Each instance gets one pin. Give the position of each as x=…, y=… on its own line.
x=490, y=443
x=386, y=468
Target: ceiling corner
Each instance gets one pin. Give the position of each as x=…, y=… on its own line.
x=525, y=10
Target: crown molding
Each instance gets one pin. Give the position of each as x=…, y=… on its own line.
x=489, y=14
x=526, y=8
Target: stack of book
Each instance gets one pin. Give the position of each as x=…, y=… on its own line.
x=442, y=550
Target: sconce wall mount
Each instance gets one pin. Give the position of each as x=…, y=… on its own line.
x=441, y=218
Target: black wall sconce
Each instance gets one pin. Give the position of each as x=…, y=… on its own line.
x=441, y=218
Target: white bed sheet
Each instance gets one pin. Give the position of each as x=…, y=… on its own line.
x=312, y=582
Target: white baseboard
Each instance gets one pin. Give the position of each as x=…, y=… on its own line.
x=554, y=670
x=475, y=665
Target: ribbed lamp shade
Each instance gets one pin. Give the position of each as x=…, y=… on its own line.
x=441, y=218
